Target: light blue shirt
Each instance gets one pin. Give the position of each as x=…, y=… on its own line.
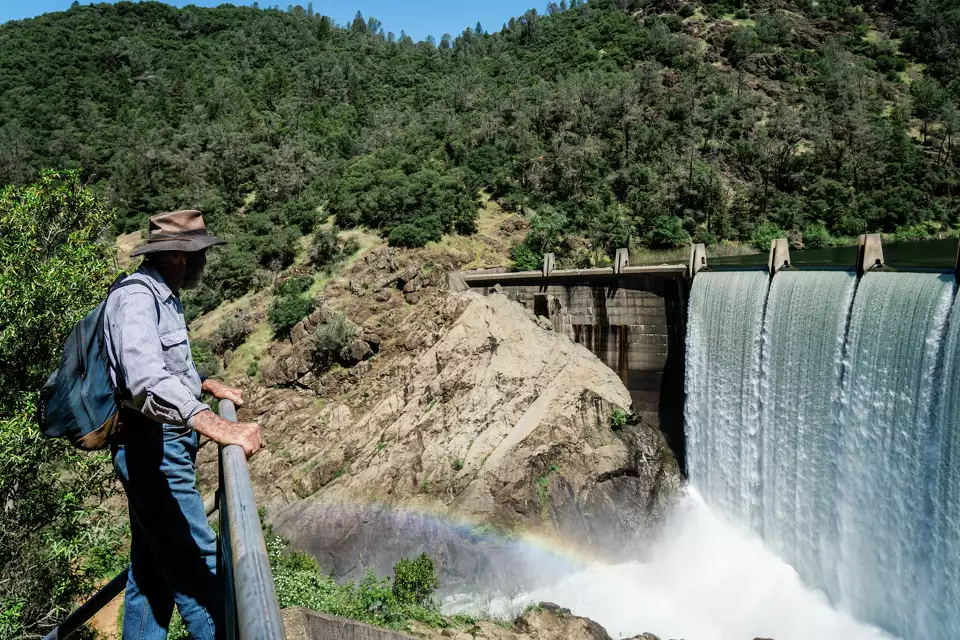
x=146, y=339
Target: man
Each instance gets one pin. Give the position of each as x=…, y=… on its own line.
x=173, y=549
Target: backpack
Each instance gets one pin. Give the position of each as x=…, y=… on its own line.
x=79, y=400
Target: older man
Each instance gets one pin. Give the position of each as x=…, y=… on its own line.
x=173, y=549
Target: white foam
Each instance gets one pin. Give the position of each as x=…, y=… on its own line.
x=706, y=580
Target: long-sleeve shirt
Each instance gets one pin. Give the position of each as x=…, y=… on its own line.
x=146, y=340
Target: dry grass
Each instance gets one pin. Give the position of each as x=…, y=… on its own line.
x=126, y=244
x=681, y=255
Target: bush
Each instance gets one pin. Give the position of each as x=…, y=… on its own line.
x=328, y=249
x=232, y=272
x=765, y=234
x=525, y=258
x=331, y=338
x=816, y=236
x=702, y=236
x=300, y=582
x=294, y=286
x=415, y=581
x=277, y=249
x=417, y=233
x=231, y=333
x=667, y=232
x=286, y=312
x=686, y=11
x=53, y=270
x=206, y=362
x=618, y=419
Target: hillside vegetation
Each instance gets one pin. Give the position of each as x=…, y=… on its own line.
x=616, y=121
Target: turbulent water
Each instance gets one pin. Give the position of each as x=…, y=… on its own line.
x=722, y=385
x=836, y=440
x=706, y=580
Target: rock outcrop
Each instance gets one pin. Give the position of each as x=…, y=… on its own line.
x=475, y=412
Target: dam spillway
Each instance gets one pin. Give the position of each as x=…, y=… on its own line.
x=822, y=413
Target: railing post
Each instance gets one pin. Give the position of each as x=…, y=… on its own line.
x=621, y=261
x=779, y=256
x=253, y=594
x=698, y=259
x=869, y=253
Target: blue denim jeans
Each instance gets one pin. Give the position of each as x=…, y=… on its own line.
x=173, y=550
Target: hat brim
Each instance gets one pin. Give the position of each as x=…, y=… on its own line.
x=196, y=243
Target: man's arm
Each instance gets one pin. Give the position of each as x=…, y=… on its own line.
x=157, y=393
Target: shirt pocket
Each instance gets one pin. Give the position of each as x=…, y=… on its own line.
x=176, y=351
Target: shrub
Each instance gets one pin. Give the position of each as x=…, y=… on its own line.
x=231, y=333
x=415, y=581
x=618, y=419
x=667, y=232
x=328, y=249
x=232, y=271
x=285, y=312
x=294, y=286
x=525, y=258
x=686, y=11
x=331, y=337
x=416, y=234
x=702, y=236
x=765, y=234
x=199, y=301
x=208, y=365
x=742, y=14
x=816, y=236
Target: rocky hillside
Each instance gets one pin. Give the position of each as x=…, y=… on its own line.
x=470, y=409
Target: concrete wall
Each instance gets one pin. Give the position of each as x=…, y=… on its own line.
x=635, y=323
x=303, y=624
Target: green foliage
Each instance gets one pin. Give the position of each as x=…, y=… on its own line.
x=300, y=582
x=765, y=233
x=417, y=233
x=331, y=338
x=602, y=118
x=667, y=232
x=294, y=286
x=525, y=258
x=328, y=249
x=415, y=581
x=53, y=270
x=457, y=464
x=816, y=236
x=286, y=312
x=618, y=419
x=206, y=361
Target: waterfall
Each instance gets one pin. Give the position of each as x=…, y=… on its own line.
x=818, y=420
x=722, y=385
x=804, y=332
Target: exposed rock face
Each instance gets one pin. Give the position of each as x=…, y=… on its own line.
x=475, y=412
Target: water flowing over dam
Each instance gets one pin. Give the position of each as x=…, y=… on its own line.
x=823, y=413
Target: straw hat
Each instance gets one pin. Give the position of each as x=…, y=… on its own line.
x=177, y=231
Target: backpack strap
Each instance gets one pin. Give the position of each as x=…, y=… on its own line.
x=122, y=280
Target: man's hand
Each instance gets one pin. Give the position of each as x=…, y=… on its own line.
x=222, y=392
x=224, y=432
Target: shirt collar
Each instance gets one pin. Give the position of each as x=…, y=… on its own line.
x=156, y=282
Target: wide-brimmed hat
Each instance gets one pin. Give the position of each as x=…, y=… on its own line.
x=177, y=231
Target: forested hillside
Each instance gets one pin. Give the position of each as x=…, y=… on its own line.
x=616, y=121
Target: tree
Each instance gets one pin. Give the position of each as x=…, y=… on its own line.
x=928, y=100
x=53, y=270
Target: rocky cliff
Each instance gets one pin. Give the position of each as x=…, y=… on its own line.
x=472, y=413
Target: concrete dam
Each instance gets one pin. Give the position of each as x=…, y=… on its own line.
x=818, y=408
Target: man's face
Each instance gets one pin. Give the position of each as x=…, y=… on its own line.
x=196, y=261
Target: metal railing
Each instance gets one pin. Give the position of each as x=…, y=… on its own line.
x=253, y=612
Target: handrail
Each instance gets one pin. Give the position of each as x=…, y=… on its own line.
x=250, y=594
x=253, y=611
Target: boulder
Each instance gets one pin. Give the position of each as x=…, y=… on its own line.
x=484, y=417
x=355, y=352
